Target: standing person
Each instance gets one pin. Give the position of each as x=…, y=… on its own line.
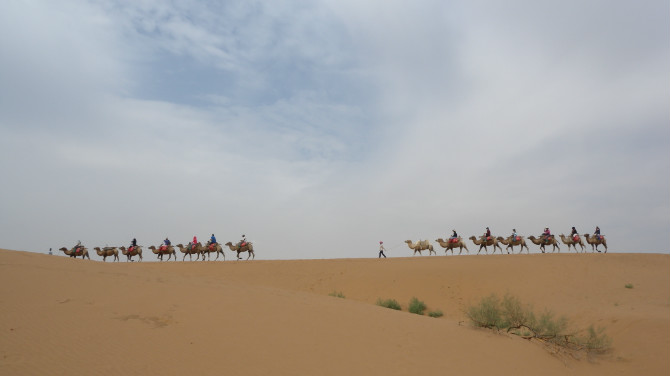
x=381, y=250
x=50, y=251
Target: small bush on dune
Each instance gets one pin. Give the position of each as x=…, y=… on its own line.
x=629, y=285
x=337, y=294
x=417, y=306
x=508, y=314
x=437, y=313
x=389, y=303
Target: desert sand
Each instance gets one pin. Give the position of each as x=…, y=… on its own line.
x=61, y=316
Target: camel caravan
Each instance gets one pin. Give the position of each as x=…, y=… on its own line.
x=485, y=241
x=193, y=248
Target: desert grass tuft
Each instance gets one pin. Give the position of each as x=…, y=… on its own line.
x=417, y=306
x=436, y=313
x=389, y=303
x=337, y=294
x=629, y=285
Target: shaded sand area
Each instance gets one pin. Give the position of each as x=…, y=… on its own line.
x=60, y=316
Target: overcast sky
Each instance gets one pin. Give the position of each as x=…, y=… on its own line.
x=319, y=128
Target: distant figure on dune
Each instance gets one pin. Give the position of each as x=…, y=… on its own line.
x=381, y=250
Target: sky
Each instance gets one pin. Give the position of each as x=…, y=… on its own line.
x=319, y=128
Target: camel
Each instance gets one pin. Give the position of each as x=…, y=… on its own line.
x=570, y=242
x=595, y=242
x=239, y=249
x=195, y=250
x=449, y=245
x=107, y=251
x=168, y=251
x=83, y=252
x=209, y=248
x=542, y=242
x=421, y=245
x=485, y=243
x=510, y=243
x=136, y=251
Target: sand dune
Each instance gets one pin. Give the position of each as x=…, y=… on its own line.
x=62, y=316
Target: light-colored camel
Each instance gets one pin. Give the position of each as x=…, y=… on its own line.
x=239, y=249
x=107, y=251
x=421, y=245
x=137, y=251
x=194, y=250
x=485, y=243
x=595, y=242
x=510, y=243
x=543, y=242
x=570, y=242
x=450, y=245
x=209, y=248
x=83, y=252
x=168, y=251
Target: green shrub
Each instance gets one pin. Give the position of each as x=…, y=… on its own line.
x=417, y=306
x=629, y=285
x=437, y=313
x=337, y=294
x=509, y=314
x=389, y=303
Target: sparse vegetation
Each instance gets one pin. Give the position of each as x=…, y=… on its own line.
x=437, y=313
x=629, y=285
x=509, y=314
x=337, y=294
x=417, y=306
x=389, y=303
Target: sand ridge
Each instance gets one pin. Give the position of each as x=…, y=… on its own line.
x=65, y=316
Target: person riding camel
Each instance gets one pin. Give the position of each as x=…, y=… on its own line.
x=212, y=242
x=487, y=235
x=133, y=244
x=597, y=233
x=243, y=242
x=574, y=234
x=166, y=244
x=76, y=247
x=546, y=235
x=193, y=242
x=514, y=235
x=454, y=236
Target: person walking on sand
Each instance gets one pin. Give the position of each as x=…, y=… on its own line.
x=381, y=250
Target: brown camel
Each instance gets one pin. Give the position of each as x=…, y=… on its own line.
x=81, y=251
x=510, y=243
x=239, y=248
x=209, y=248
x=595, y=242
x=484, y=243
x=107, y=251
x=450, y=245
x=169, y=250
x=571, y=242
x=542, y=241
x=421, y=245
x=137, y=251
x=191, y=250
